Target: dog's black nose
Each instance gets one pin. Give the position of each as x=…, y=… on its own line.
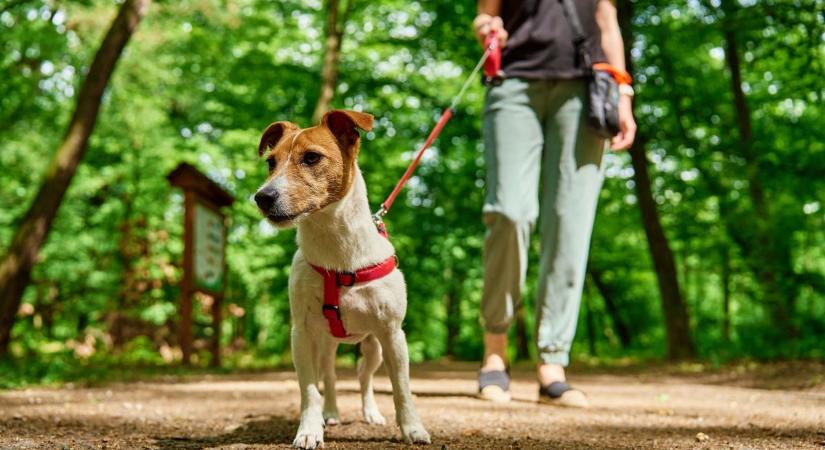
x=266, y=198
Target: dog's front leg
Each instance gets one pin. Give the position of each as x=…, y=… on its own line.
x=371, y=349
x=329, y=348
x=305, y=357
x=394, y=345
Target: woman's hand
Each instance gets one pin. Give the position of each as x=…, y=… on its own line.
x=627, y=125
x=485, y=23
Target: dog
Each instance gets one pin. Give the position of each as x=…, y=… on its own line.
x=315, y=185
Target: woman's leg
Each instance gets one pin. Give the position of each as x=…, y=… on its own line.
x=572, y=175
x=513, y=142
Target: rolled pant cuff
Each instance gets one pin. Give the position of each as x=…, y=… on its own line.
x=562, y=358
x=496, y=328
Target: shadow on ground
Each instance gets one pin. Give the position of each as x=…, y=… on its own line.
x=270, y=430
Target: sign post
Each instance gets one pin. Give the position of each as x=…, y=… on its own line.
x=204, y=265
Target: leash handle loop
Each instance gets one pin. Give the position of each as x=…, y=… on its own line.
x=493, y=76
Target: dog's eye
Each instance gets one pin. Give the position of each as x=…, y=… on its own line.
x=271, y=162
x=311, y=158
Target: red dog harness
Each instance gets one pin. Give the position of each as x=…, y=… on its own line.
x=334, y=280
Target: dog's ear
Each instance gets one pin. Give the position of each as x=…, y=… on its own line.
x=274, y=132
x=344, y=125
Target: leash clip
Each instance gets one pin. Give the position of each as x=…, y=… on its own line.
x=377, y=217
x=378, y=220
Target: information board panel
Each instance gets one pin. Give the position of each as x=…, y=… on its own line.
x=209, y=249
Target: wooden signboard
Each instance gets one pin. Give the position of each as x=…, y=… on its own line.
x=204, y=263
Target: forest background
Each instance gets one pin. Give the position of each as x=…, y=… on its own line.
x=709, y=243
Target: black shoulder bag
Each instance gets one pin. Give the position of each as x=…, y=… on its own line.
x=603, y=91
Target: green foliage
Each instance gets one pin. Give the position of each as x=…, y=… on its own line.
x=202, y=78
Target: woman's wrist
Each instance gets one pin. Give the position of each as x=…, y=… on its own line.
x=625, y=104
x=626, y=90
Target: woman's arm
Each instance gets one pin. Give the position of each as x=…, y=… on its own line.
x=489, y=7
x=613, y=47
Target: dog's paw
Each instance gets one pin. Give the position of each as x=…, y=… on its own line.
x=373, y=417
x=415, y=434
x=308, y=439
x=332, y=418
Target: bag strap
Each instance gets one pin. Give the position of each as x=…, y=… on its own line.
x=579, y=38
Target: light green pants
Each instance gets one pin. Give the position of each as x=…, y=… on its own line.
x=537, y=130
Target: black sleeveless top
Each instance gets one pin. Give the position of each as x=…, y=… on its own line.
x=540, y=46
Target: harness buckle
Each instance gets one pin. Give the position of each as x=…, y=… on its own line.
x=334, y=308
x=341, y=282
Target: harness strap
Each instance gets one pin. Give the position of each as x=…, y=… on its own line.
x=334, y=280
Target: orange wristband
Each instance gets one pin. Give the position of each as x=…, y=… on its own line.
x=621, y=76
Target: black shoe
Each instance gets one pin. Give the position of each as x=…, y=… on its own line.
x=494, y=385
x=562, y=394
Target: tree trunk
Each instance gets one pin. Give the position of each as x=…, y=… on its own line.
x=679, y=342
x=591, y=325
x=452, y=305
x=608, y=295
x=332, y=56
x=768, y=256
x=725, y=293
x=329, y=70
x=16, y=266
x=522, y=341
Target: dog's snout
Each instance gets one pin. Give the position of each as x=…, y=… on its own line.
x=266, y=198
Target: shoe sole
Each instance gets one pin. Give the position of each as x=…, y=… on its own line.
x=494, y=394
x=570, y=399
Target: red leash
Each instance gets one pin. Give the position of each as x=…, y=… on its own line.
x=445, y=117
x=491, y=60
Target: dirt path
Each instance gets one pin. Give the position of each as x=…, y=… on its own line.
x=260, y=411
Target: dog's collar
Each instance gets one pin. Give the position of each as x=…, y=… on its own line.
x=334, y=280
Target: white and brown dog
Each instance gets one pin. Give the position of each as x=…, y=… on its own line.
x=344, y=285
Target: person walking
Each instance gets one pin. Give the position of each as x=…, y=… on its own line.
x=536, y=135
